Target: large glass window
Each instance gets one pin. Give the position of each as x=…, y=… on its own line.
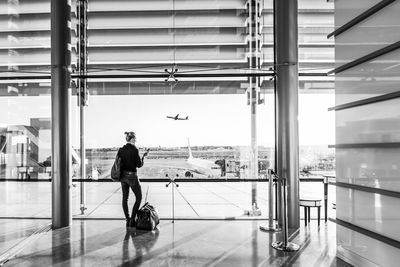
x=133, y=46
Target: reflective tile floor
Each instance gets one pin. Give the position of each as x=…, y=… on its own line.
x=14, y=231
x=183, y=243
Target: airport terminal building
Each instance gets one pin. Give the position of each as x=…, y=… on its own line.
x=272, y=128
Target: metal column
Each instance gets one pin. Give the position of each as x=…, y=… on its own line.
x=287, y=139
x=254, y=60
x=82, y=91
x=60, y=100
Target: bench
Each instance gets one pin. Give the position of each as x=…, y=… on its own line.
x=308, y=204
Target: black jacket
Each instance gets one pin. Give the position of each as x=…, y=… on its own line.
x=130, y=159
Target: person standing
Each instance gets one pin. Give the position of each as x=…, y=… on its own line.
x=130, y=161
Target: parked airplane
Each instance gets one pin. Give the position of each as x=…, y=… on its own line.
x=201, y=166
x=189, y=166
x=178, y=118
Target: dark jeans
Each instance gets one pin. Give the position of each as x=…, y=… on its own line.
x=130, y=180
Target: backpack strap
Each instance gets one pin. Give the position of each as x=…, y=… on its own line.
x=147, y=192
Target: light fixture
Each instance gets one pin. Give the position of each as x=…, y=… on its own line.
x=171, y=75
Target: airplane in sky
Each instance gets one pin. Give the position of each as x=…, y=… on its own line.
x=178, y=118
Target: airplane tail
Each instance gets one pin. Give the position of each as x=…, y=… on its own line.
x=3, y=142
x=75, y=155
x=189, y=149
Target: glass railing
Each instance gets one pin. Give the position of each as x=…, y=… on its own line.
x=190, y=200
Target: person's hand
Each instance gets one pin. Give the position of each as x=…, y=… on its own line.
x=146, y=153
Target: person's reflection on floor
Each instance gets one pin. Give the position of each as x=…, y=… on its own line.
x=143, y=241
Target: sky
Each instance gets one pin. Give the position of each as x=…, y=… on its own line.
x=218, y=120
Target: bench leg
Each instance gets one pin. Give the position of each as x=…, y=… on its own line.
x=305, y=216
x=309, y=214
x=319, y=214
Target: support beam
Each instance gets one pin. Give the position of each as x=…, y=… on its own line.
x=82, y=91
x=253, y=23
x=287, y=137
x=60, y=100
x=253, y=56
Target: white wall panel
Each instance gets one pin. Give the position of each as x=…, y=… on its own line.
x=370, y=35
x=375, y=128
x=373, y=123
x=372, y=167
x=376, y=77
x=363, y=251
x=373, y=212
x=346, y=10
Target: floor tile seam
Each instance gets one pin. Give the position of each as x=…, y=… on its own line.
x=274, y=261
x=242, y=191
x=237, y=246
x=165, y=225
x=70, y=244
x=195, y=201
x=303, y=245
x=323, y=256
x=40, y=212
x=224, y=199
x=16, y=249
x=115, y=191
x=187, y=202
x=25, y=232
x=182, y=241
x=328, y=253
x=173, y=206
x=49, y=250
x=264, y=262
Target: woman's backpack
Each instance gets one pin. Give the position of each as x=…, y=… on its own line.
x=116, y=169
